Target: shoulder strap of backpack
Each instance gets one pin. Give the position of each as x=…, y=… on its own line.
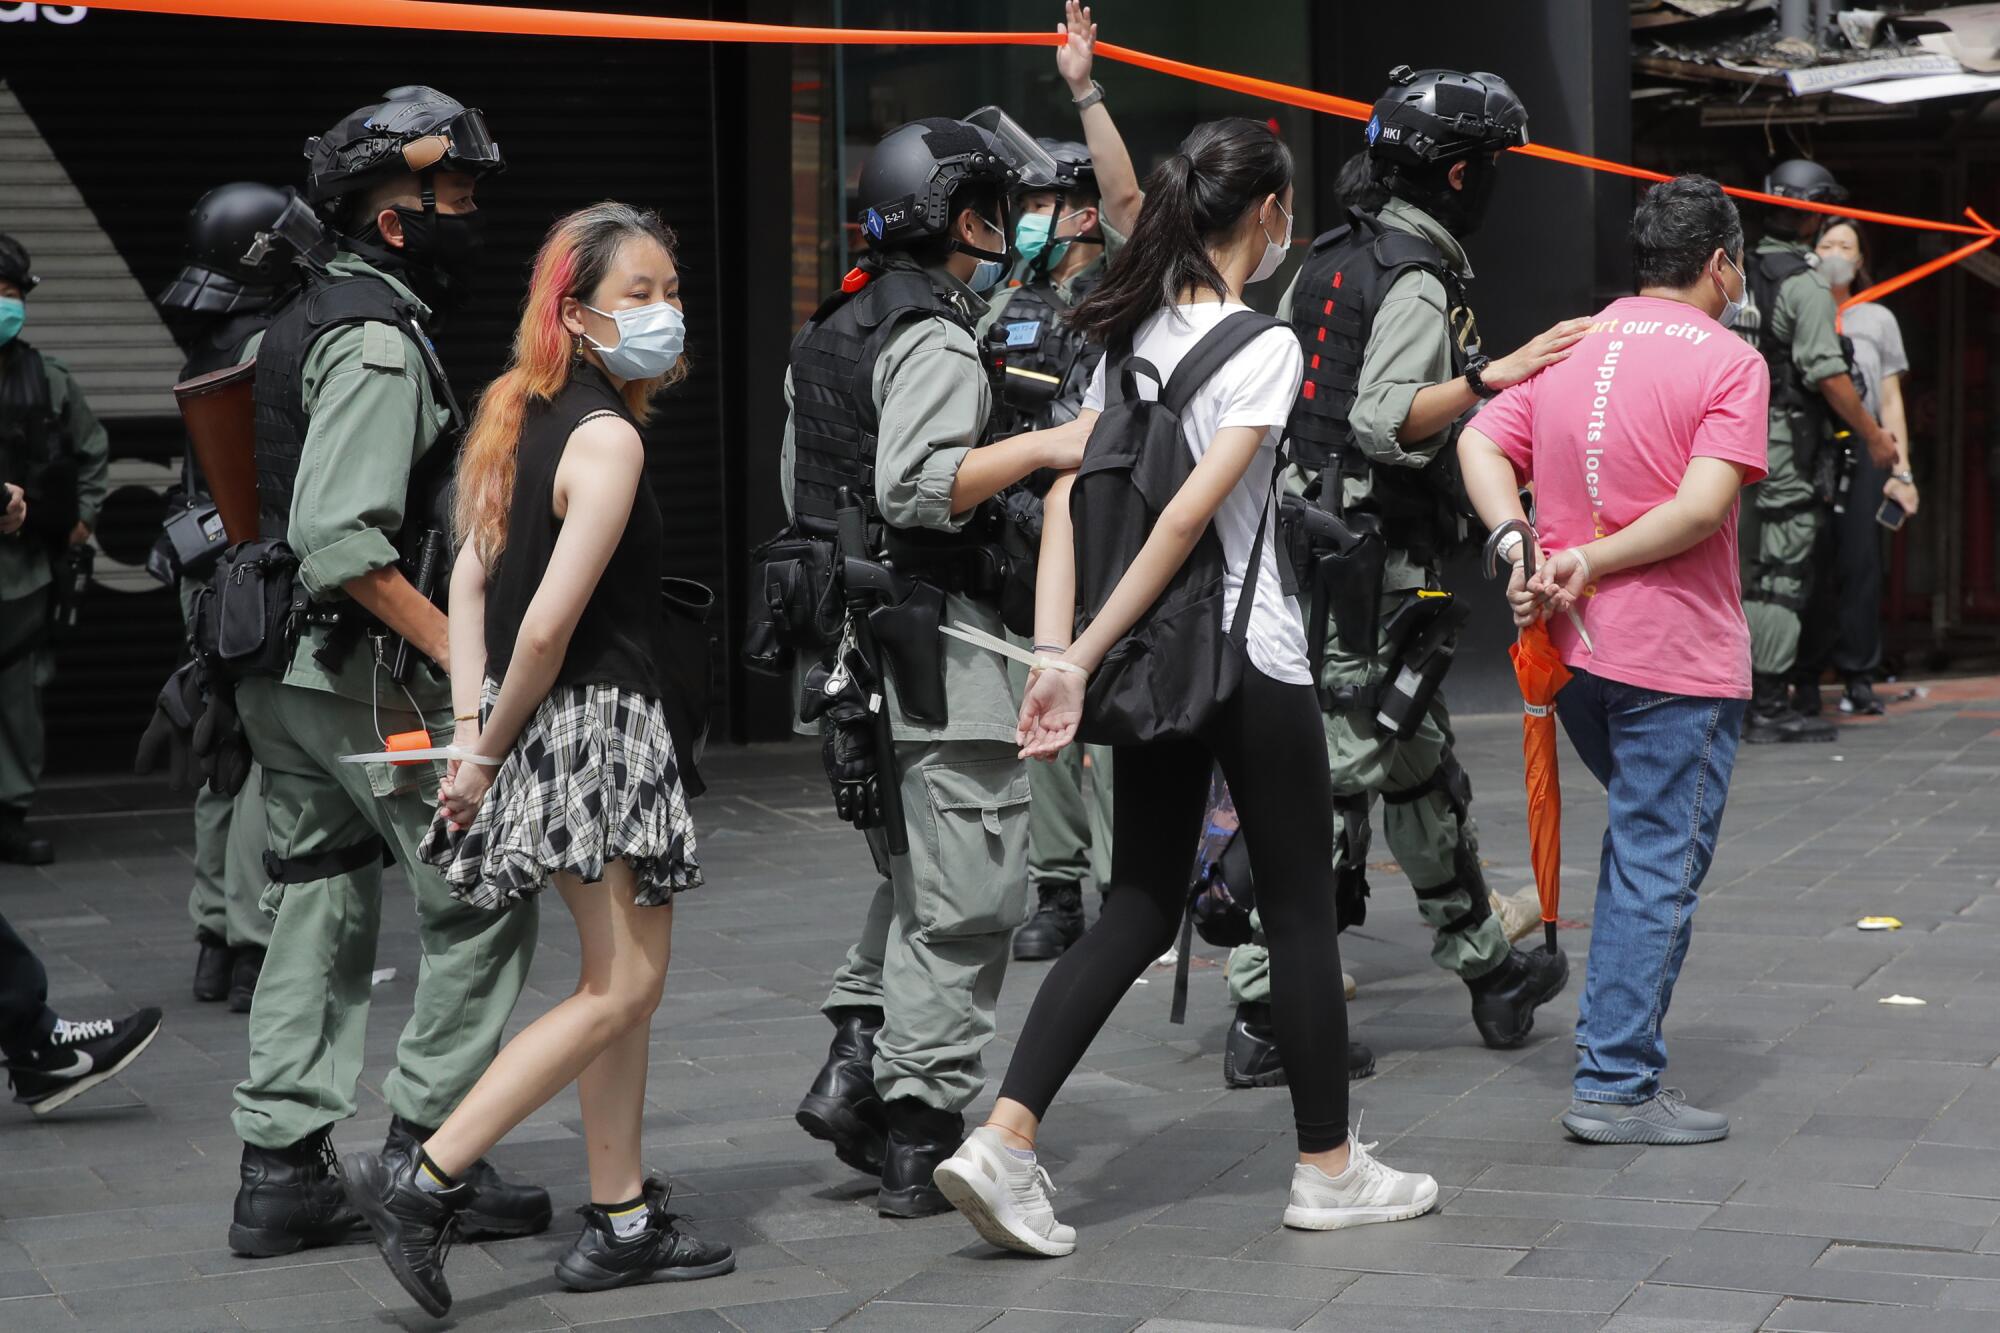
x=1209, y=355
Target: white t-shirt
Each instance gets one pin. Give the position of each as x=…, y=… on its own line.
x=1257, y=387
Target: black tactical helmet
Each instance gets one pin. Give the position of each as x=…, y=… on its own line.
x=14, y=265
x=412, y=129
x=1074, y=170
x=1801, y=179
x=1437, y=116
x=241, y=240
x=910, y=179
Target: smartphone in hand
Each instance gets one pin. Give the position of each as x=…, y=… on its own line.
x=1891, y=515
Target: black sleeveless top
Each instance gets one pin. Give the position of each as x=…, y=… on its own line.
x=615, y=636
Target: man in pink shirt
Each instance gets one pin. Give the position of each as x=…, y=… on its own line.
x=1637, y=445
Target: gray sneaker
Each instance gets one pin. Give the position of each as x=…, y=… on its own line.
x=1664, y=1118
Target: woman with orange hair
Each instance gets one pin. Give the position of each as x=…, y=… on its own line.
x=567, y=767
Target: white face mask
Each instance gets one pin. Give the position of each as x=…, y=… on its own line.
x=650, y=339
x=1732, y=308
x=1274, y=251
x=1839, y=270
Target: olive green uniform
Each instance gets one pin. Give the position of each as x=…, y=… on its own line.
x=26, y=575
x=1409, y=348
x=373, y=414
x=934, y=945
x=1069, y=823
x=229, y=840
x=1777, y=578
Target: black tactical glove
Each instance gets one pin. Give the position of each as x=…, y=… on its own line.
x=839, y=696
x=169, y=735
x=221, y=746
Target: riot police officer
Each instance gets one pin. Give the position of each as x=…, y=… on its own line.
x=237, y=267
x=1793, y=326
x=1393, y=366
x=889, y=409
x=1066, y=232
x=355, y=432
x=54, y=452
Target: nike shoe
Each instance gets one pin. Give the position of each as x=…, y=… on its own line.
x=78, y=1057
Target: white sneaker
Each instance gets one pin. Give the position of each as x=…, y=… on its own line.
x=1005, y=1198
x=1367, y=1191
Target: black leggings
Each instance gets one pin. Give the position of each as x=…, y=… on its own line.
x=1270, y=746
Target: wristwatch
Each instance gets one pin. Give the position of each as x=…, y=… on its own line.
x=1089, y=99
x=1473, y=367
x=1907, y=477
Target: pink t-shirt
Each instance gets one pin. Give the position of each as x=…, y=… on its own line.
x=1606, y=436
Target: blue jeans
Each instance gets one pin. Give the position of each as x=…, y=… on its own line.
x=1664, y=760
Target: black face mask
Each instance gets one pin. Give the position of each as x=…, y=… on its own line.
x=442, y=251
x=1462, y=211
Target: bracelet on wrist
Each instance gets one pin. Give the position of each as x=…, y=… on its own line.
x=465, y=717
x=1089, y=99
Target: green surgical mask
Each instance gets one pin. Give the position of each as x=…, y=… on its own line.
x=13, y=314
x=1033, y=233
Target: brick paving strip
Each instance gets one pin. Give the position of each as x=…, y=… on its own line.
x=1860, y=1189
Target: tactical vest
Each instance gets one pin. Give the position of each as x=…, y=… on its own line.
x=1050, y=361
x=218, y=348
x=323, y=304
x=833, y=398
x=1768, y=273
x=30, y=435
x=1341, y=285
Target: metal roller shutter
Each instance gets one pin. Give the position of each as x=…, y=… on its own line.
x=146, y=112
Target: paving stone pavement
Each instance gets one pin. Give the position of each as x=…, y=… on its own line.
x=1860, y=1189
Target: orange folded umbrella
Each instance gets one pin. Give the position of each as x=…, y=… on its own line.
x=1541, y=675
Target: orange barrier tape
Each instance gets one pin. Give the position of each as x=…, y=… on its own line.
x=1919, y=273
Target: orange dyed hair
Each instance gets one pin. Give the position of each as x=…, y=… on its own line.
x=573, y=259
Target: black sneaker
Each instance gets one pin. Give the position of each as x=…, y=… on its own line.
x=497, y=1208
x=20, y=846
x=1250, y=1056
x=413, y=1226
x=1504, y=1000
x=211, y=967
x=842, y=1107
x=78, y=1057
x=658, y=1252
x=1056, y=924
x=1860, y=698
x=243, y=974
x=290, y=1199
x=920, y=1137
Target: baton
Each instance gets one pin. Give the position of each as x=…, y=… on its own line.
x=853, y=544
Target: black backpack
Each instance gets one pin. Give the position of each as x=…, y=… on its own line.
x=1176, y=666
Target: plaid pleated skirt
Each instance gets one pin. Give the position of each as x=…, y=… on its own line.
x=592, y=779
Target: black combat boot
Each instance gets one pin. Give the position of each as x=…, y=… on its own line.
x=1056, y=924
x=291, y=1200
x=413, y=1226
x=1772, y=719
x=243, y=974
x=659, y=1252
x=1250, y=1057
x=920, y=1137
x=211, y=967
x=495, y=1208
x=843, y=1107
x=1504, y=1000
x=1806, y=701
x=20, y=846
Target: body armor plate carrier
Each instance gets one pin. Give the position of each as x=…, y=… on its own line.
x=1342, y=284
x=1042, y=365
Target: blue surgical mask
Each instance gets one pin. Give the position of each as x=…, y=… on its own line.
x=13, y=314
x=986, y=275
x=1035, y=232
x=650, y=340
x=1732, y=309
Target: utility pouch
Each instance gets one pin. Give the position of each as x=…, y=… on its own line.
x=248, y=618
x=1423, y=632
x=794, y=601
x=1353, y=583
x=196, y=537
x=909, y=638
x=1021, y=543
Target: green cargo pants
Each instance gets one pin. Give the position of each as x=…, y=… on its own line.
x=1069, y=820
x=934, y=947
x=1777, y=580
x=21, y=684
x=1423, y=830
x=229, y=845
x=311, y=1015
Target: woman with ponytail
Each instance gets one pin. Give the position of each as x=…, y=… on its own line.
x=1217, y=217
x=567, y=770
